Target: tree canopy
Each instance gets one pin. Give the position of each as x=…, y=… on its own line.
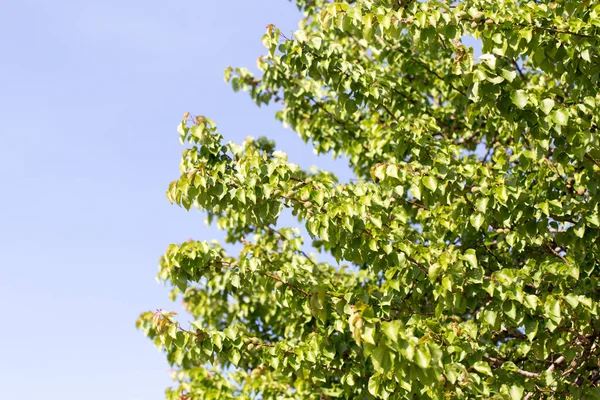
x=467, y=247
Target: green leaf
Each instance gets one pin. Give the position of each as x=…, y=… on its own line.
x=376, y=221
x=585, y=55
x=526, y=34
x=369, y=334
x=552, y=309
x=429, y=182
x=316, y=42
x=392, y=171
x=416, y=192
x=531, y=328
x=501, y=194
x=351, y=106
x=531, y=301
x=422, y=358
x=381, y=359
x=235, y=281
x=453, y=372
x=572, y=299
x=510, y=309
x=579, y=230
x=516, y=392
x=489, y=60
x=547, y=105
x=483, y=367
x=218, y=341
x=477, y=220
x=172, y=331
x=481, y=204
x=490, y=317
x=519, y=98
x=391, y=329
x=509, y=75
x=434, y=271
x=374, y=384
x=180, y=339
x=560, y=116
x=471, y=256
x=231, y=332
x=234, y=357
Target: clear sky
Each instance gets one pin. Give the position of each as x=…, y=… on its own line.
x=91, y=93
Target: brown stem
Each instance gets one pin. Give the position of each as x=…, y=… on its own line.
x=556, y=254
x=592, y=159
x=518, y=69
x=296, y=288
x=519, y=371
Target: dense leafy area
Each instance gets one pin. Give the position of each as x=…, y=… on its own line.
x=468, y=245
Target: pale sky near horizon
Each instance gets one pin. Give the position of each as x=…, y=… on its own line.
x=90, y=97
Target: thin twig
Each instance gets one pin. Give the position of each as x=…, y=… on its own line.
x=592, y=159
x=519, y=371
x=556, y=254
x=523, y=78
x=275, y=277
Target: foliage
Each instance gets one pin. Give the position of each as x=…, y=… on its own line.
x=468, y=244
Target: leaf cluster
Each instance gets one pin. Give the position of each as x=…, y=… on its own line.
x=468, y=244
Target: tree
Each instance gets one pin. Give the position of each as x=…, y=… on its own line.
x=468, y=245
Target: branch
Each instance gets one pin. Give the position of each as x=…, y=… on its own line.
x=278, y=279
x=389, y=112
x=558, y=361
x=518, y=69
x=519, y=371
x=592, y=159
x=556, y=254
x=414, y=203
x=527, y=373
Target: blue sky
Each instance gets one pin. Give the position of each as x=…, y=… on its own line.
x=91, y=94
